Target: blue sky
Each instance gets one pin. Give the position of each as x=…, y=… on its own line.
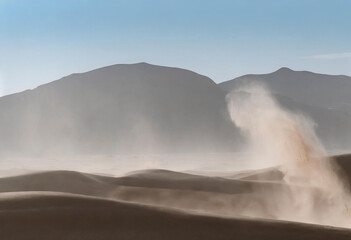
x=44, y=40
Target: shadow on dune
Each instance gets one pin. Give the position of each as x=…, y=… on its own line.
x=63, y=216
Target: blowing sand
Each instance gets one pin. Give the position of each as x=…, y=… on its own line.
x=306, y=196
x=155, y=204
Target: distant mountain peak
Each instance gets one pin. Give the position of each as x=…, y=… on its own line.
x=285, y=69
x=142, y=63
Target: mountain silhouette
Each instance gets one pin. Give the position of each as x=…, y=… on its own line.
x=324, y=98
x=126, y=108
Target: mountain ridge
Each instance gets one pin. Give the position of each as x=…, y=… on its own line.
x=324, y=98
x=124, y=107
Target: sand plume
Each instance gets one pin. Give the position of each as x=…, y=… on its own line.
x=278, y=137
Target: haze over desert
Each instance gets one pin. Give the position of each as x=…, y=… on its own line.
x=162, y=120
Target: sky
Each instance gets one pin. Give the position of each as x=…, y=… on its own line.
x=44, y=40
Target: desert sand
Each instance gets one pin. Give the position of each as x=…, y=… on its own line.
x=153, y=204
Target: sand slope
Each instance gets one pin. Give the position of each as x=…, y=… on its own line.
x=152, y=204
x=62, y=216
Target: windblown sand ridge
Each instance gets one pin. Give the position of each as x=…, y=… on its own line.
x=66, y=216
x=154, y=204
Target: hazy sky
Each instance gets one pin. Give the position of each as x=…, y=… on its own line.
x=43, y=40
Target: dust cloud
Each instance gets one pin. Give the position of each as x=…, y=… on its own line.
x=313, y=191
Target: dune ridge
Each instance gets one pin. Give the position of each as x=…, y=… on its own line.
x=77, y=217
x=151, y=204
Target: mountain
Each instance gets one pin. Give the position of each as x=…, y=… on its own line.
x=127, y=108
x=324, y=98
x=327, y=91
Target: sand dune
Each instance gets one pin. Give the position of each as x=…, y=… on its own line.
x=58, y=181
x=103, y=186
x=153, y=204
x=63, y=216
